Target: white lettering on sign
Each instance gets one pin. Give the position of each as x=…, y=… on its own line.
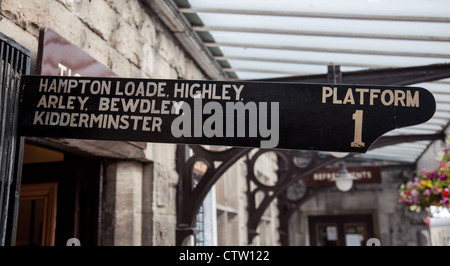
x=327, y=176
x=147, y=89
x=145, y=105
x=363, y=96
x=135, y=105
x=65, y=71
x=207, y=91
x=357, y=137
x=366, y=96
x=61, y=102
x=83, y=120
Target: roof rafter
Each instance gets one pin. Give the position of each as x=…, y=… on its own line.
x=313, y=15
x=323, y=33
x=295, y=61
x=326, y=50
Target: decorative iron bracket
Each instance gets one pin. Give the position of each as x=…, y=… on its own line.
x=287, y=206
x=289, y=173
x=191, y=196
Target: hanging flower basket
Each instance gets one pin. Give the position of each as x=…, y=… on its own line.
x=429, y=188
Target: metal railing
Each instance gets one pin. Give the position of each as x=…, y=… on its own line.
x=15, y=63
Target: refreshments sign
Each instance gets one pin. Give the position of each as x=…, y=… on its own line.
x=362, y=174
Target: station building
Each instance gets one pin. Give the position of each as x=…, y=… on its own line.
x=125, y=193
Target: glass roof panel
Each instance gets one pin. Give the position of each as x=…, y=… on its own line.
x=370, y=61
x=258, y=39
x=294, y=69
x=283, y=41
x=395, y=29
x=435, y=87
x=250, y=75
x=434, y=8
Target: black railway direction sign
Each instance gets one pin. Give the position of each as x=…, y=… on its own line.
x=326, y=117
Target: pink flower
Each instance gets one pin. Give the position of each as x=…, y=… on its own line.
x=436, y=190
x=432, y=175
x=446, y=192
x=409, y=184
x=445, y=201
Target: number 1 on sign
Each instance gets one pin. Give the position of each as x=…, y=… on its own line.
x=357, y=139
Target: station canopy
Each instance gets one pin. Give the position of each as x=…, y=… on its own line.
x=267, y=39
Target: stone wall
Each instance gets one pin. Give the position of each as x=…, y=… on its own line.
x=123, y=35
x=393, y=224
x=127, y=37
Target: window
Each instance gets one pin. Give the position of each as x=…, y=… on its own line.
x=340, y=230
